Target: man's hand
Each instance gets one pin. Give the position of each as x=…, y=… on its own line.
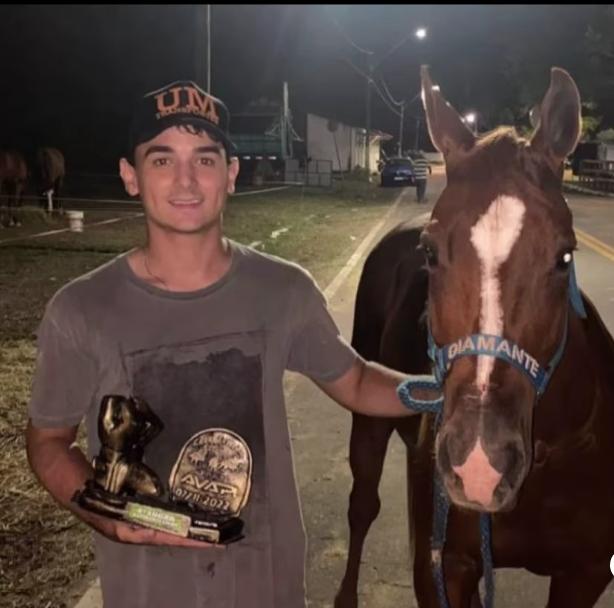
x=125, y=532
x=62, y=469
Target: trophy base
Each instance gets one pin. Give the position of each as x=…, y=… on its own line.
x=151, y=513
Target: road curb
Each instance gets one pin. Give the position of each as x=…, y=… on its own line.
x=580, y=189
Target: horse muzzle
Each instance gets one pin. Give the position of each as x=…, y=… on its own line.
x=482, y=461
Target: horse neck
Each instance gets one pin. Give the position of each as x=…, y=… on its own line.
x=576, y=401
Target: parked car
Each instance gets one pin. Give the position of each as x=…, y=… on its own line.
x=398, y=172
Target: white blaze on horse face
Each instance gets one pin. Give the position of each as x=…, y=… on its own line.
x=493, y=237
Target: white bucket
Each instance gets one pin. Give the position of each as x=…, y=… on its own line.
x=75, y=221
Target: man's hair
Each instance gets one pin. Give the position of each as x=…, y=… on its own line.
x=193, y=130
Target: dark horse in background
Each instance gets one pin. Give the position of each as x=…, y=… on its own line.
x=495, y=258
x=48, y=175
x=13, y=176
x=39, y=174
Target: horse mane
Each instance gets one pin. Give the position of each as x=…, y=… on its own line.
x=501, y=136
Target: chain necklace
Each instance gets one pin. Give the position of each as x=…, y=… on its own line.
x=156, y=277
x=151, y=274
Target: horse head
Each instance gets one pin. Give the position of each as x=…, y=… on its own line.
x=499, y=251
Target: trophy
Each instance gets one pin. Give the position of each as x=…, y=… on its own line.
x=209, y=483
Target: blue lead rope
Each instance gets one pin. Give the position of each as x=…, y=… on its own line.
x=441, y=502
x=423, y=406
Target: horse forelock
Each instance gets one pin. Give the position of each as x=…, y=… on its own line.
x=501, y=136
x=495, y=152
x=505, y=155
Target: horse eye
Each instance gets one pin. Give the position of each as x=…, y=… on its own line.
x=564, y=261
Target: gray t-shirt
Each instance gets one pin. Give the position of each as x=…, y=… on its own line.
x=209, y=358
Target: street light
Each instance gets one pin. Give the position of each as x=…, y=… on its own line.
x=471, y=119
x=420, y=33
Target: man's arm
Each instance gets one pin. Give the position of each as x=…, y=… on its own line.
x=368, y=388
x=62, y=469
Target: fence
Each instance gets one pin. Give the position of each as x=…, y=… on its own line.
x=597, y=175
x=312, y=173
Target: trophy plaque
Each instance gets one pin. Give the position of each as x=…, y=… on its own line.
x=208, y=487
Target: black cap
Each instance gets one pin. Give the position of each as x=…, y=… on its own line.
x=180, y=103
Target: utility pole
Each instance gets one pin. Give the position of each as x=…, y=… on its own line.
x=368, y=118
x=401, y=130
x=208, y=48
x=200, y=24
x=283, y=125
x=417, y=142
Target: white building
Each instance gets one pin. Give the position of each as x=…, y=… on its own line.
x=342, y=144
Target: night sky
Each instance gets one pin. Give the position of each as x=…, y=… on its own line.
x=70, y=73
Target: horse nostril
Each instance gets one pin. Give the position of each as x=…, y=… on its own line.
x=454, y=449
x=511, y=462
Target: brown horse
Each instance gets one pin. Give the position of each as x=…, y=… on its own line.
x=50, y=174
x=13, y=176
x=536, y=456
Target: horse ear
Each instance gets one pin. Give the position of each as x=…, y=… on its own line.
x=559, y=126
x=449, y=134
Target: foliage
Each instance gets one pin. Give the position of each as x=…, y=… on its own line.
x=606, y=136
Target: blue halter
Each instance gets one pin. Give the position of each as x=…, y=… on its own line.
x=500, y=348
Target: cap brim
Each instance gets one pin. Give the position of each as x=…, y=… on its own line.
x=146, y=134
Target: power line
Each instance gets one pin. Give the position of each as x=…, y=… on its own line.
x=392, y=99
x=348, y=39
x=372, y=67
x=396, y=46
x=379, y=92
x=393, y=110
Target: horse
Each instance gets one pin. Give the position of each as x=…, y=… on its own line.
x=13, y=176
x=493, y=263
x=49, y=174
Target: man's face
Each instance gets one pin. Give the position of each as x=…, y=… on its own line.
x=182, y=179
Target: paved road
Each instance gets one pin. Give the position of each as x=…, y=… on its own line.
x=320, y=432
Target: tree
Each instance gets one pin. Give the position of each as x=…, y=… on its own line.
x=599, y=49
x=606, y=136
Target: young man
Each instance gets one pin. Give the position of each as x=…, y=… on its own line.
x=422, y=168
x=201, y=328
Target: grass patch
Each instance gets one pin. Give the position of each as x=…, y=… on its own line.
x=45, y=551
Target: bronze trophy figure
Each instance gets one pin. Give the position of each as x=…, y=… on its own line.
x=208, y=486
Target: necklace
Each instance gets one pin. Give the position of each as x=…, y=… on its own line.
x=151, y=274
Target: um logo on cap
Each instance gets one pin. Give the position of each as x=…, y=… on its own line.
x=186, y=99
